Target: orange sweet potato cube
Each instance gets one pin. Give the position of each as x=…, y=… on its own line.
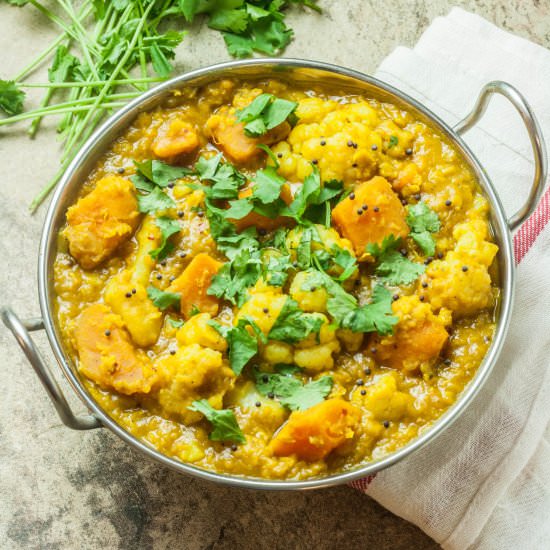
x=106, y=354
x=315, y=432
x=101, y=221
x=175, y=137
x=193, y=285
x=373, y=211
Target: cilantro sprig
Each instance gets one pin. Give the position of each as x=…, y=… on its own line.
x=292, y=392
x=224, y=424
x=293, y=325
x=265, y=113
x=162, y=299
x=392, y=266
x=100, y=43
x=242, y=344
x=423, y=221
x=168, y=227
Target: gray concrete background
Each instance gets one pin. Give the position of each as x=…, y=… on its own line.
x=65, y=489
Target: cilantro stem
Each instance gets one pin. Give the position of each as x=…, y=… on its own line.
x=108, y=83
x=56, y=110
x=91, y=83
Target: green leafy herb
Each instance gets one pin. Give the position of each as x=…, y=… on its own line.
x=162, y=299
x=275, y=269
x=160, y=173
x=293, y=325
x=423, y=221
x=242, y=345
x=225, y=178
x=346, y=261
x=291, y=392
x=226, y=427
x=264, y=113
x=11, y=97
x=392, y=266
x=168, y=227
x=176, y=323
x=154, y=201
x=394, y=140
x=376, y=316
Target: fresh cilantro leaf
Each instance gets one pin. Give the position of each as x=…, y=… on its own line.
x=11, y=97
x=62, y=65
x=242, y=345
x=225, y=177
x=376, y=316
x=303, y=252
x=168, y=227
x=226, y=427
x=268, y=185
x=346, y=261
x=232, y=20
x=293, y=325
x=160, y=173
x=154, y=201
x=309, y=394
x=394, y=140
x=162, y=299
x=423, y=221
x=238, y=209
x=238, y=46
x=176, y=323
x=264, y=113
x=392, y=266
x=308, y=193
x=291, y=392
x=275, y=270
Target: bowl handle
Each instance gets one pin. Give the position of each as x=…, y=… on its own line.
x=533, y=130
x=20, y=330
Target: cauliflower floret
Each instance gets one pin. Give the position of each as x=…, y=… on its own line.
x=461, y=281
x=277, y=352
x=315, y=353
x=191, y=374
x=126, y=292
x=308, y=300
x=198, y=331
x=384, y=400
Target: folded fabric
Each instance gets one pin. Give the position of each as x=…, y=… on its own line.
x=485, y=482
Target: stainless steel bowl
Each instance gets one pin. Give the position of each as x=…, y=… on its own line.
x=297, y=71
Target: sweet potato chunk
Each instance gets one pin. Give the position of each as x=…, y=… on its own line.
x=106, y=355
x=263, y=222
x=229, y=136
x=315, y=432
x=418, y=339
x=102, y=220
x=193, y=284
x=175, y=137
x=383, y=216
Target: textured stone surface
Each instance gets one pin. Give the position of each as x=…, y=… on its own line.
x=65, y=489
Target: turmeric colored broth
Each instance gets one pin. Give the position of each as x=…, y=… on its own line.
x=146, y=371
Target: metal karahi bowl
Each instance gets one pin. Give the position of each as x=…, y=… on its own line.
x=292, y=70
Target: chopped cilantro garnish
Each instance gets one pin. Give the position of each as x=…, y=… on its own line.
x=293, y=325
x=154, y=201
x=168, y=227
x=163, y=299
x=225, y=178
x=377, y=316
x=423, y=221
x=264, y=113
x=346, y=261
x=242, y=345
x=154, y=172
x=176, y=323
x=291, y=392
x=275, y=267
x=392, y=266
x=223, y=421
x=394, y=140
x=268, y=184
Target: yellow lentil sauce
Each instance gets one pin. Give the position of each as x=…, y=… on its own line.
x=146, y=366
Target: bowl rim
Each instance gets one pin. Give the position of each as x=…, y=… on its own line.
x=507, y=275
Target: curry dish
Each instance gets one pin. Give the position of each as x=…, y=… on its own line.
x=266, y=279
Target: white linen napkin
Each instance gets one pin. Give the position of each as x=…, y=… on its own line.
x=485, y=482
